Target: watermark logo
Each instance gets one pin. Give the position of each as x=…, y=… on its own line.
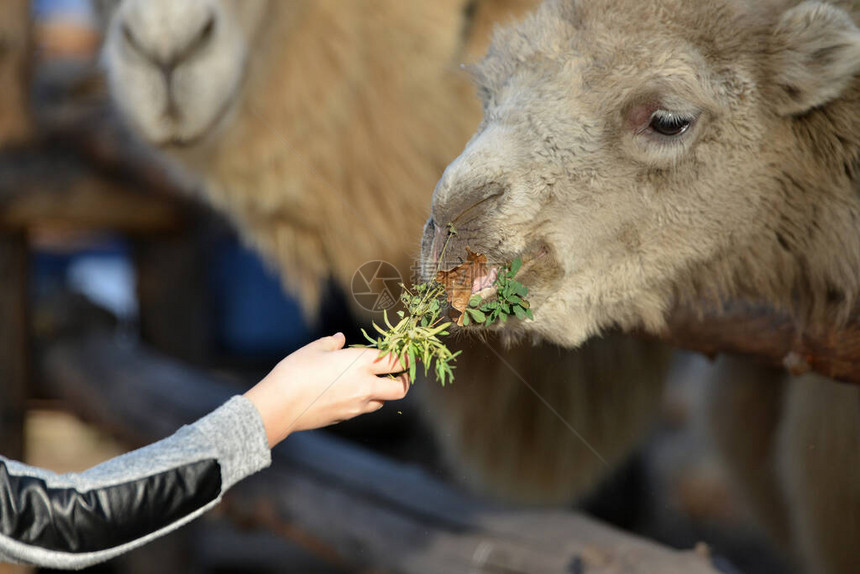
x=376, y=286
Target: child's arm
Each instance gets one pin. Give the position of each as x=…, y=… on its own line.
x=75, y=520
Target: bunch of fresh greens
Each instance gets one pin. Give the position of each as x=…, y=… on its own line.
x=416, y=337
x=423, y=320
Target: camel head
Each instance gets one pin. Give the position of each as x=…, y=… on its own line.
x=646, y=153
x=176, y=68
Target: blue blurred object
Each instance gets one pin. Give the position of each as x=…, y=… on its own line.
x=109, y=281
x=253, y=315
x=102, y=272
x=74, y=10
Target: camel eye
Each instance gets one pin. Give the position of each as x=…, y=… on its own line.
x=669, y=124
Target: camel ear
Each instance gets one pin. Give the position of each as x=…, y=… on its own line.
x=815, y=56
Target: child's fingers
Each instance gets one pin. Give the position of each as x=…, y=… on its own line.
x=388, y=389
x=387, y=364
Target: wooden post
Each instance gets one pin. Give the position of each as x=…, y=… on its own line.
x=172, y=294
x=15, y=127
x=14, y=342
x=15, y=124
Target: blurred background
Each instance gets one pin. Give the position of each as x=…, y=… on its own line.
x=97, y=233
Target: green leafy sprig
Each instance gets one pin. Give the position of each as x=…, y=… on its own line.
x=506, y=297
x=416, y=336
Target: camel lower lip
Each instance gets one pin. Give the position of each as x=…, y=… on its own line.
x=180, y=142
x=486, y=281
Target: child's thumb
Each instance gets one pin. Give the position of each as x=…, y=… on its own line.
x=330, y=343
x=335, y=342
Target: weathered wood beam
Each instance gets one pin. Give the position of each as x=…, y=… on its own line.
x=174, y=307
x=44, y=188
x=343, y=502
x=14, y=342
x=771, y=337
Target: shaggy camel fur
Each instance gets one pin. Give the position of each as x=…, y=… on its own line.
x=320, y=127
x=653, y=153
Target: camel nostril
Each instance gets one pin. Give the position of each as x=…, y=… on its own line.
x=171, y=54
x=201, y=39
x=133, y=43
x=208, y=29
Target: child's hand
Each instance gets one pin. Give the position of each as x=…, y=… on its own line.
x=322, y=384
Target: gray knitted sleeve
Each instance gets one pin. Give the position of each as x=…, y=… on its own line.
x=76, y=520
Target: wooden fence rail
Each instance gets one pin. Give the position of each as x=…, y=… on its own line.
x=768, y=336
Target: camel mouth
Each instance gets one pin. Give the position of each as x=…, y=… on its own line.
x=478, y=277
x=466, y=265
x=441, y=253
x=173, y=138
x=529, y=259
x=178, y=141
